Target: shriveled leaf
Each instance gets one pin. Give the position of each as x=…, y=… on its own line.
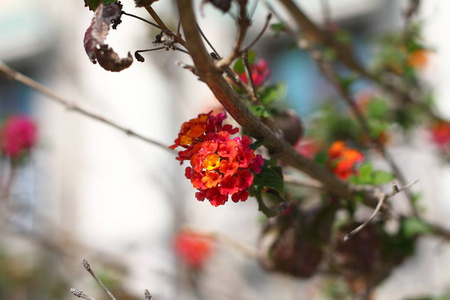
x=105, y=16
x=142, y=3
x=93, y=4
x=223, y=5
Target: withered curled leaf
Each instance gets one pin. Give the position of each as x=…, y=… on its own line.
x=93, y=4
x=105, y=16
x=142, y=3
x=223, y=5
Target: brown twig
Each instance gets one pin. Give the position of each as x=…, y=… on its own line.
x=80, y=294
x=163, y=26
x=87, y=266
x=382, y=196
x=19, y=77
x=147, y=295
x=243, y=25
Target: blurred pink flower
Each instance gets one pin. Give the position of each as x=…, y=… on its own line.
x=17, y=136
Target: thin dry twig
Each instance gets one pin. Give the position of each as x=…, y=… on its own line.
x=80, y=294
x=87, y=266
x=382, y=196
x=244, y=23
x=71, y=106
x=147, y=295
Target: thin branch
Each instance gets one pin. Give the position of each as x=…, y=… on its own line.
x=266, y=24
x=163, y=26
x=208, y=42
x=381, y=198
x=253, y=8
x=244, y=24
x=19, y=77
x=326, y=12
x=304, y=182
x=142, y=19
x=248, y=69
x=80, y=294
x=87, y=266
x=147, y=295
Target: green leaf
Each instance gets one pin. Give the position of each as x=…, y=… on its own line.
x=277, y=27
x=414, y=226
x=347, y=81
x=269, y=178
x=321, y=157
x=364, y=174
x=258, y=144
x=260, y=111
x=239, y=66
x=272, y=93
x=378, y=109
x=380, y=177
x=93, y=4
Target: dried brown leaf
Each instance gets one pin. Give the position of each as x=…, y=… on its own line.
x=105, y=16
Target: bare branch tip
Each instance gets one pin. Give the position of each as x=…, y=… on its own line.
x=76, y=292
x=86, y=264
x=347, y=236
x=147, y=295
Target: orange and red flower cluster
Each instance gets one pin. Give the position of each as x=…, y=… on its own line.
x=17, y=136
x=193, y=249
x=440, y=134
x=260, y=73
x=219, y=165
x=342, y=160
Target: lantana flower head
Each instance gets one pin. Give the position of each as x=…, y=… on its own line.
x=440, y=134
x=193, y=249
x=342, y=160
x=260, y=73
x=220, y=166
x=17, y=136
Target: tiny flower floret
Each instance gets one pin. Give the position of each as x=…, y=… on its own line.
x=260, y=73
x=220, y=166
x=193, y=249
x=342, y=160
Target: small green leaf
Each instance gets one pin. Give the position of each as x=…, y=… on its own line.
x=380, y=177
x=260, y=111
x=238, y=66
x=277, y=27
x=321, y=157
x=258, y=144
x=269, y=178
x=378, y=109
x=414, y=226
x=272, y=93
x=365, y=172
